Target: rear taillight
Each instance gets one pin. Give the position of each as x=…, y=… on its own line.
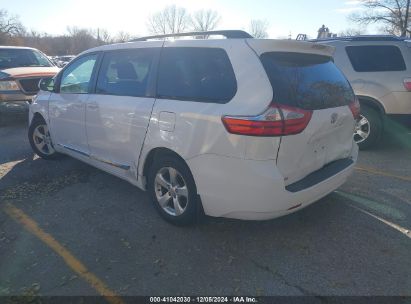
x=355, y=108
x=407, y=84
x=277, y=120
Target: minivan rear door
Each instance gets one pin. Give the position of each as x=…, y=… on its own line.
x=308, y=79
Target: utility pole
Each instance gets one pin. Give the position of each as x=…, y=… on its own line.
x=407, y=12
x=98, y=36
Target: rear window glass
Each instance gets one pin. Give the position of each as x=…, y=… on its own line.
x=376, y=58
x=196, y=74
x=306, y=81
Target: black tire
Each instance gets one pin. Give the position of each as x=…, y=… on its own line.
x=192, y=209
x=375, y=128
x=38, y=121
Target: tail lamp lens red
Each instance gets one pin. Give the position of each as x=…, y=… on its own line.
x=277, y=120
x=407, y=84
x=355, y=108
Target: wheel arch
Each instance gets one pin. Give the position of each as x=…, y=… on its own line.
x=162, y=151
x=158, y=152
x=37, y=115
x=38, y=119
x=372, y=103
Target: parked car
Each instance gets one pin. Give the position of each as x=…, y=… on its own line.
x=21, y=69
x=239, y=127
x=64, y=60
x=54, y=60
x=379, y=69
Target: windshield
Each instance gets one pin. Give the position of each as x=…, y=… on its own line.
x=14, y=58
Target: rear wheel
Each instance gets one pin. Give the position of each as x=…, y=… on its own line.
x=40, y=140
x=369, y=128
x=173, y=191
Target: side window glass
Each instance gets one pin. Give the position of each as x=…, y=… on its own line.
x=376, y=58
x=125, y=72
x=196, y=74
x=76, y=78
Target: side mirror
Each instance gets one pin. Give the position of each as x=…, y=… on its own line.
x=46, y=84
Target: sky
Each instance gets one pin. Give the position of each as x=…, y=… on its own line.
x=285, y=17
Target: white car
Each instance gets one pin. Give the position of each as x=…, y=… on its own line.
x=64, y=60
x=239, y=127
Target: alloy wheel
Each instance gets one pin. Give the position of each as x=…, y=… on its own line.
x=362, y=129
x=42, y=139
x=171, y=191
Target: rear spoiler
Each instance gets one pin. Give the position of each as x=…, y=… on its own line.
x=261, y=46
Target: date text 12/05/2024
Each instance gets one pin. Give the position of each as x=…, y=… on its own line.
x=237, y=299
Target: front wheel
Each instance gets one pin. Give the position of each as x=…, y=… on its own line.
x=173, y=191
x=369, y=128
x=40, y=140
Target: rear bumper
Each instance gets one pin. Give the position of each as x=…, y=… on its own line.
x=321, y=175
x=255, y=190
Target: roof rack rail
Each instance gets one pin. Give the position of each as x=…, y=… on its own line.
x=362, y=38
x=229, y=34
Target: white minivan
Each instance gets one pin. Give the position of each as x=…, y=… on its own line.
x=241, y=128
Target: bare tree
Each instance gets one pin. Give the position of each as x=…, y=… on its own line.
x=35, y=39
x=170, y=20
x=393, y=14
x=258, y=29
x=103, y=36
x=122, y=37
x=81, y=39
x=352, y=32
x=205, y=20
x=407, y=19
x=10, y=26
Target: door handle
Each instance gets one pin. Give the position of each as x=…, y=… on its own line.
x=92, y=106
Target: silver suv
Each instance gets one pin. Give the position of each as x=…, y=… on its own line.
x=379, y=69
